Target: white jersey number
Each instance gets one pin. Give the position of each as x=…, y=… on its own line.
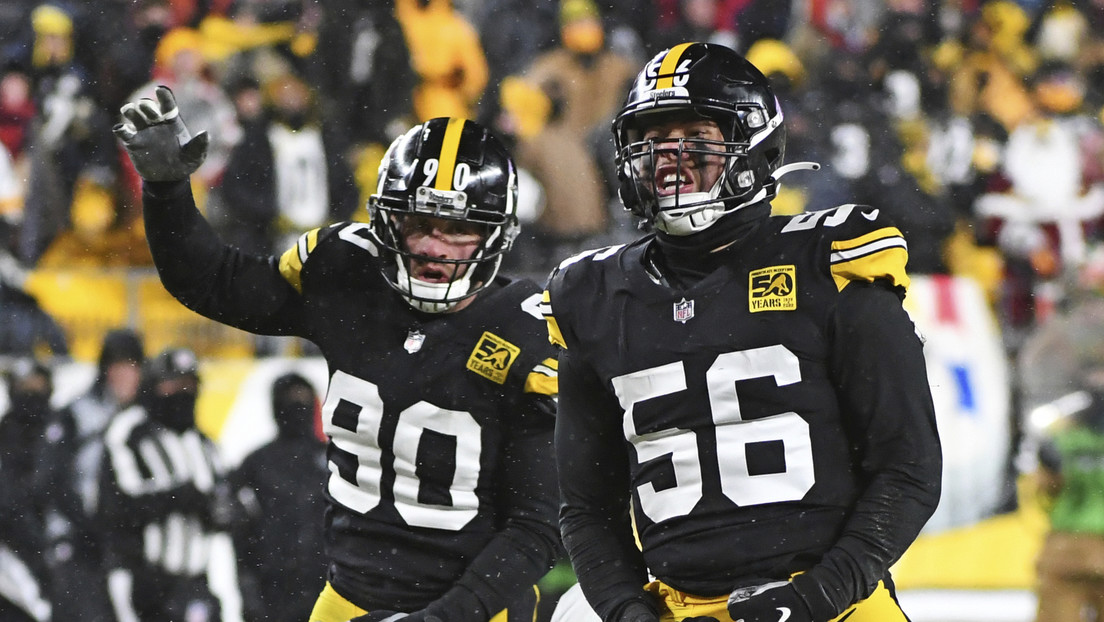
x=734, y=434
x=414, y=422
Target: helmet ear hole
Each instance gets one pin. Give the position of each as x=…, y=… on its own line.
x=628, y=190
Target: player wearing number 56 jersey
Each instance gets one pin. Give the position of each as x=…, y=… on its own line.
x=441, y=493
x=754, y=392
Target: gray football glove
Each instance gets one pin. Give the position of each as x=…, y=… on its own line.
x=158, y=142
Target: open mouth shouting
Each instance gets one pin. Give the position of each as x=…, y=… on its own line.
x=671, y=179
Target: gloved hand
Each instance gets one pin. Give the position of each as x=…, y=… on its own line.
x=638, y=612
x=776, y=601
x=158, y=142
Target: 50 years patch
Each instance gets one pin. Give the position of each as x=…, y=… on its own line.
x=772, y=289
x=492, y=357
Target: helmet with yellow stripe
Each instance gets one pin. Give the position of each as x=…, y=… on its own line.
x=706, y=81
x=451, y=171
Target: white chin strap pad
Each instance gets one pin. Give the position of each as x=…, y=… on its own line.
x=702, y=210
x=422, y=295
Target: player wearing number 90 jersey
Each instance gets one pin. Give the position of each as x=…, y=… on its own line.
x=441, y=400
x=749, y=386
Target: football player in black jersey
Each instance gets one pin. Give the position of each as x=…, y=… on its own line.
x=440, y=405
x=745, y=428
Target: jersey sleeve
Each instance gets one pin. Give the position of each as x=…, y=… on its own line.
x=525, y=546
x=595, y=520
x=555, y=334
x=543, y=379
x=526, y=498
x=292, y=260
x=217, y=281
x=553, y=304
x=880, y=373
x=864, y=245
x=517, y=341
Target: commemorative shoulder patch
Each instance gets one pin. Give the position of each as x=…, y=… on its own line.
x=492, y=357
x=772, y=289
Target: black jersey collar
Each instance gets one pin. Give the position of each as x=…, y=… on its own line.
x=684, y=262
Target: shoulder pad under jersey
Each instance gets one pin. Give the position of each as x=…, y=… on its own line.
x=293, y=259
x=563, y=280
x=863, y=243
x=516, y=326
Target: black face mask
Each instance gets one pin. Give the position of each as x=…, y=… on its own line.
x=176, y=411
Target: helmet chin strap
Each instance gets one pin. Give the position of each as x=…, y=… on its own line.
x=422, y=295
x=690, y=220
x=705, y=210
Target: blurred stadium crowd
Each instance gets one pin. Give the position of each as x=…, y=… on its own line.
x=979, y=124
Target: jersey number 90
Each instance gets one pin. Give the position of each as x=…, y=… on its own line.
x=356, y=432
x=734, y=434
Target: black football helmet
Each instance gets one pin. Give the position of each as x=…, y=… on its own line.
x=454, y=169
x=711, y=81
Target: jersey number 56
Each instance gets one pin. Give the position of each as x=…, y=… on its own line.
x=734, y=434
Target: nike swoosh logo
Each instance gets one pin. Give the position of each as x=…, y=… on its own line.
x=871, y=215
x=785, y=611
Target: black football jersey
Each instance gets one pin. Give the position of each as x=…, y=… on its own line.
x=744, y=459
x=421, y=411
x=440, y=425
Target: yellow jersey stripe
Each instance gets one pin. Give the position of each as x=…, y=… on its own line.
x=554, y=334
x=888, y=264
x=290, y=266
x=291, y=262
x=667, y=68
x=544, y=378
x=447, y=162
x=541, y=384
x=877, y=234
x=868, y=249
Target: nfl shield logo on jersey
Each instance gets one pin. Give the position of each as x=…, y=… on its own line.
x=684, y=310
x=414, y=340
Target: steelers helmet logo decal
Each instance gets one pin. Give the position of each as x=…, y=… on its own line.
x=772, y=289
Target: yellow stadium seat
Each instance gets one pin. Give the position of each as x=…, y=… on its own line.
x=86, y=303
x=89, y=302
